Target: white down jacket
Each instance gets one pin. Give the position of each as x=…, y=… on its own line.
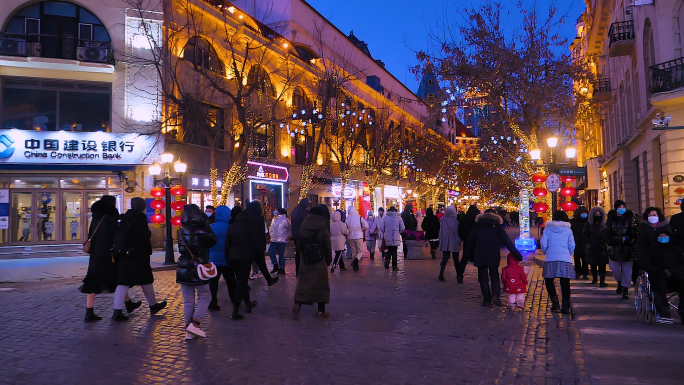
x=338, y=232
x=280, y=229
x=357, y=225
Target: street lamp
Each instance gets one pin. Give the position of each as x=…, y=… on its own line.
x=167, y=182
x=536, y=154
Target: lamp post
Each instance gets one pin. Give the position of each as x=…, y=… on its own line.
x=536, y=155
x=166, y=159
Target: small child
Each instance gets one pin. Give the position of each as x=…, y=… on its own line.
x=514, y=282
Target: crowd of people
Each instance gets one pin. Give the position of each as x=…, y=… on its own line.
x=231, y=243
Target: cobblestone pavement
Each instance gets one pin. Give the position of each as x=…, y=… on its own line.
x=386, y=328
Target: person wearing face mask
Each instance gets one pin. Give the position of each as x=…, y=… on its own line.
x=579, y=220
x=595, y=245
x=621, y=233
x=653, y=223
x=665, y=266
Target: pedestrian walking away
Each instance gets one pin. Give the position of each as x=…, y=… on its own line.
x=102, y=268
x=410, y=223
x=133, y=248
x=621, y=232
x=514, y=282
x=558, y=243
x=371, y=235
x=464, y=229
x=217, y=256
x=483, y=248
x=195, y=237
x=580, y=219
x=338, y=237
x=279, y=231
x=357, y=227
x=298, y=215
x=392, y=228
x=376, y=228
x=431, y=227
x=259, y=263
x=315, y=246
x=449, y=242
x=596, y=245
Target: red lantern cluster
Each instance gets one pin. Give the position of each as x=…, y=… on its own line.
x=568, y=192
x=539, y=191
x=157, y=204
x=177, y=205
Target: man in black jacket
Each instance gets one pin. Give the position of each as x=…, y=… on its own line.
x=410, y=223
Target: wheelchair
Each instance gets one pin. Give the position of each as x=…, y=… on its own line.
x=644, y=301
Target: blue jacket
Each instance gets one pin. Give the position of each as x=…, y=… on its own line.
x=220, y=228
x=557, y=242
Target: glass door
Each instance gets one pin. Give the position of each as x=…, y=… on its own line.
x=45, y=205
x=21, y=217
x=91, y=197
x=72, y=227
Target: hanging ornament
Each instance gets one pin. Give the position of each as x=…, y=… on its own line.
x=538, y=178
x=178, y=190
x=157, y=192
x=568, y=206
x=568, y=191
x=567, y=179
x=176, y=221
x=157, y=219
x=177, y=205
x=539, y=192
x=157, y=204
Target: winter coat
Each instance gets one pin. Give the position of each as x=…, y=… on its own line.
x=217, y=254
x=431, y=226
x=410, y=222
x=558, y=242
x=246, y=237
x=448, y=231
x=577, y=224
x=595, y=243
x=664, y=256
x=513, y=277
x=621, y=233
x=297, y=216
x=280, y=229
x=134, y=267
x=485, y=238
x=647, y=238
x=467, y=225
x=376, y=226
x=338, y=232
x=357, y=225
x=677, y=226
x=102, y=269
x=392, y=227
x=312, y=282
x=368, y=235
x=195, y=239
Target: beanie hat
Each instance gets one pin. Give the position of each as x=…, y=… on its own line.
x=138, y=204
x=619, y=203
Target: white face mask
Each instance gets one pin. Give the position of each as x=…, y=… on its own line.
x=653, y=220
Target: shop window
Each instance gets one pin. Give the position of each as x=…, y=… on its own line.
x=200, y=52
x=203, y=125
x=263, y=145
x=32, y=105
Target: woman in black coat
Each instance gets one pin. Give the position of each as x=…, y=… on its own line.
x=101, y=275
x=465, y=226
x=133, y=249
x=483, y=247
x=664, y=263
x=596, y=245
x=245, y=241
x=431, y=227
x=195, y=237
x=579, y=220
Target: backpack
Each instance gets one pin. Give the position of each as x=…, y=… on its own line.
x=311, y=253
x=123, y=240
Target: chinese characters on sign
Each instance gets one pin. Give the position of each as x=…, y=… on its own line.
x=267, y=171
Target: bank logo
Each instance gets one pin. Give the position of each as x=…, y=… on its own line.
x=6, y=142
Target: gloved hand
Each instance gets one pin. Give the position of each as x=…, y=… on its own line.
x=668, y=273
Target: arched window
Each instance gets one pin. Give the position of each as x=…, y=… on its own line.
x=260, y=80
x=200, y=52
x=431, y=97
x=306, y=54
x=299, y=99
x=57, y=29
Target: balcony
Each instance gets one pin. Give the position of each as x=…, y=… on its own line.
x=667, y=76
x=622, y=38
x=602, y=90
x=56, y=47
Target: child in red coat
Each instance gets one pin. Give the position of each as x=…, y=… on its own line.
x=514, y=282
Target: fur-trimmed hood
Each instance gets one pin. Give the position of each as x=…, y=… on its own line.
x=594, y=210
x=488, y=217
x=557, y=226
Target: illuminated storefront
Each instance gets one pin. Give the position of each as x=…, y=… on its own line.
x=267, y=183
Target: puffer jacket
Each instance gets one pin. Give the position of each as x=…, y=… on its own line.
x=298, y=215
x=558, y=242
x=410, y=221
x=431, y=226
x=392, y=227
x=621, y=233
x=577, y=225
x=664, y=256
x=369, y=235
x=594, y=240
x=195, y=238
x=280, y=229
x=246, y=237
x=338, y=232
x=376, y=226
x=448, y=231
x=220, y=227
x=647, y=238
x=485, y=238
x=513, y=277
x=357, y=225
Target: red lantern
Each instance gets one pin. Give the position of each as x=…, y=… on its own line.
x=157, y=204
x=177, y=205
x=157, y=218
x=568, y=206
x=178, y=190
x=568, y=191
x=157, y=192
x=540, y=207
x=538, y=178
x=176, y=221
x=568, y=179
x=539, y=192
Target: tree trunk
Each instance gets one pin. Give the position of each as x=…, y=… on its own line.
x=306, y=183
x=232, y=177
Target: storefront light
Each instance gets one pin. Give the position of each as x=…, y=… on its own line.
x=166, y=157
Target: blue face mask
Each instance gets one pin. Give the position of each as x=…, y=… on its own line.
x=663, y=239
x=621, y=211
x=584, y=215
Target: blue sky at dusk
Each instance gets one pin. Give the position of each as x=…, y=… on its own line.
x=394, y=29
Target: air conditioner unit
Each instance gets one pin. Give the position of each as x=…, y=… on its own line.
x=12, y=46
x=92, y=54
x=35, y=49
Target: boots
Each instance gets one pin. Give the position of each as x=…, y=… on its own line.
x=433, y=253
x=355, y=264
x=118, y=315
x=625, y=291
x=594, y=278
x=236, y=316
x=130, y=305
x=555, y=305
x=372, y=255
x=90, y=315
x=619, y=288
x=154, y=309
x=387, y=262
x=566, y=306
x=496, y=300
x=603, y=281
x=249, y=305
x=441, y=271
x=275, y=270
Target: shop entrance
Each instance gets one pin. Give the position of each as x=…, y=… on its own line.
x=270, y=194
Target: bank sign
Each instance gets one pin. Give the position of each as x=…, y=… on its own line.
x=77, y=148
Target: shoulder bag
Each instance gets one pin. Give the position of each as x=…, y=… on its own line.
x=205, y=271
x=86, y=244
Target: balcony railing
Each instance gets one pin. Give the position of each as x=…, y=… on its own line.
x=667, y=76
x=56, y=47
x=602, y=89
x=622, y=37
